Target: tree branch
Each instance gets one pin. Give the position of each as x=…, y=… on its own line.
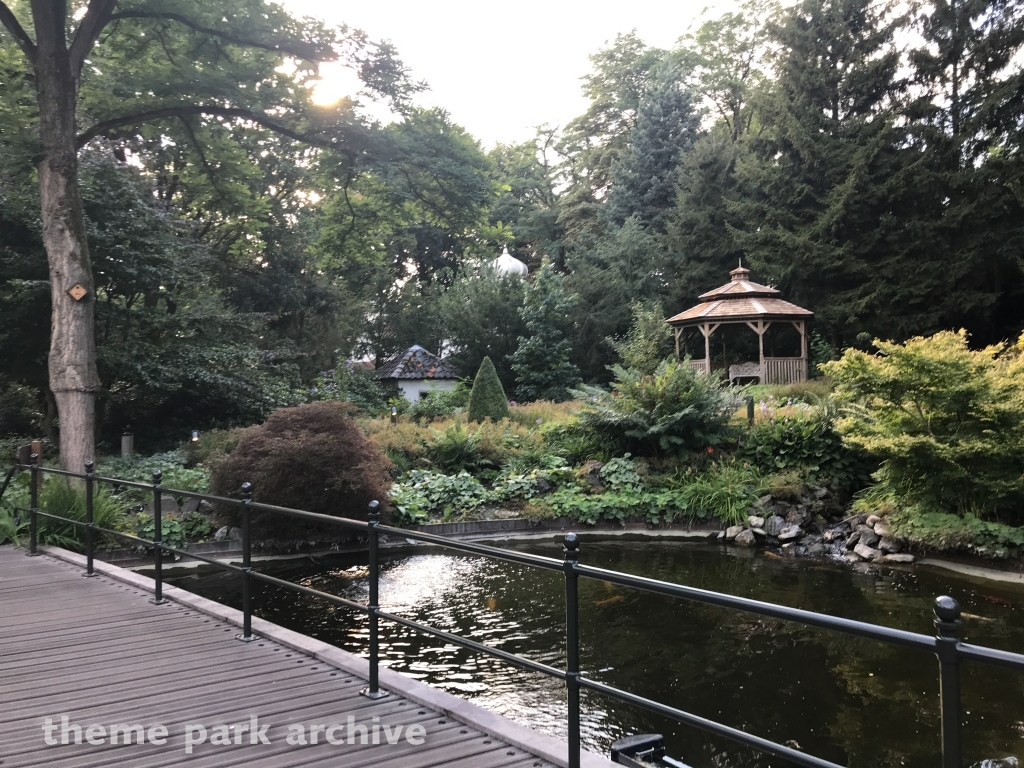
x=95, y=20
x=189, y=110
x=17, y=32
x=297, y=48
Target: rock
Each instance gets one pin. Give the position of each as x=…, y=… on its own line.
x=765, y=500
x=168, y=505
x=791, y=533
x=853, y=540
x=867, y=553
x=746, y=539
x=755, y=521
x=789, y=549
x=851, y=558
x=820, y=492
x=889, y=545
x=591, y=474
x=829, y=536
x=721, y=536
x=898, y=558
x=868, y=535
x=797, y=516
x=774, y=524
x=881, y=528
x=190, y=506
x=872, y=520
x=758, y=532
x=733, y=531
x=816, y=550
x=222, y=534
x=235, y=534
x=543, y=486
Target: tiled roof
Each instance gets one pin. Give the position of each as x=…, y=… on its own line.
x=417, y=363
x=741, y=299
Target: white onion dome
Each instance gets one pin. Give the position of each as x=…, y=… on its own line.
x=507, y=264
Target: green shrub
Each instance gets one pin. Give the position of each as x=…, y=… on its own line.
x=312, y=457
x=172, y=533
x=946, y=422
x=806, y=443
x=457, y=449
x=12, y=530
x=487, y=398
x=673, y=410
x=649, y=340
x=424, y=494
x=656, y=506
x=58, y=497
x=195, y=526
x=213, y=446
x=352, y=383
x=439, y=405
x=727, y=491
x=176, y=475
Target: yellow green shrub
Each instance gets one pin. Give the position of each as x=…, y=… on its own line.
x=946, y=421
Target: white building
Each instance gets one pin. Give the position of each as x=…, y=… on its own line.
x=417, y=372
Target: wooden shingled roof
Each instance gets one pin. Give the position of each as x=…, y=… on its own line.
x=741, y=299
x=417, y=363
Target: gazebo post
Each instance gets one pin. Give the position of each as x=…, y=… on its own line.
x=761, y=328
x=705, y=328
x=678, y=331
x=802, y=327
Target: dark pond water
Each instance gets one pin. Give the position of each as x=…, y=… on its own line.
x=851, y=701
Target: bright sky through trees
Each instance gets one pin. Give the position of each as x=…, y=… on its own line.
x=502, y=68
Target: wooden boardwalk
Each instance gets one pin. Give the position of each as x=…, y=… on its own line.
x=97, y=651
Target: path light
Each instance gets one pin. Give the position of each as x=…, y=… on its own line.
x=394, y=415
x=195, y=435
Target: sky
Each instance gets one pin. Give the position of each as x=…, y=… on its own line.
x=500, y=69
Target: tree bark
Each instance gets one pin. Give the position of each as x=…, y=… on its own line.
x=72, y=362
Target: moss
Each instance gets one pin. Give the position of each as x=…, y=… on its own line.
x=487, y=399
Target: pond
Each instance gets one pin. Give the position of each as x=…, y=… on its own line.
x=848, y=700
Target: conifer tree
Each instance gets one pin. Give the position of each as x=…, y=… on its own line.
x=542, y=365
x=487, y=397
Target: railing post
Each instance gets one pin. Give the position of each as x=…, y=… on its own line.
x=947, y=627
x=90, y=543
x=246, y=636
x=570, y=549
x=158, y=537
x=373, y=691
x=33, y=517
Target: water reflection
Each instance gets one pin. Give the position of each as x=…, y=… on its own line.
x=848, y=700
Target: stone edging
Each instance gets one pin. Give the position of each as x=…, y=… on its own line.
x=545, y=747
x=977, y=571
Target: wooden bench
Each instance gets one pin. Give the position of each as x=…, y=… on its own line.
x=744, y=371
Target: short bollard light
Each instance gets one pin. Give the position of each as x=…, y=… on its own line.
x=394, y=415
x=195, y=435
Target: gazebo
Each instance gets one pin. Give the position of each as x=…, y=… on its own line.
x=741, y=301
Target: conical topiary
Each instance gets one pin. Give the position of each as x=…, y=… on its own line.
x=487, y=398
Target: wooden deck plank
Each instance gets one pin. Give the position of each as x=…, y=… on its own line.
x=99, y=652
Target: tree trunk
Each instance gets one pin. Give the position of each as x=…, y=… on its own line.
x=73, y=376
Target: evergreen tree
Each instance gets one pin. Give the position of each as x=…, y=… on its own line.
x=817, y=185
x=626, y=266
x=487, y=398
x=542, y=365
x=644, y=176
x=966, y=141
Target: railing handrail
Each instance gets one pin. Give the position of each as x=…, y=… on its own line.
x=945, y=644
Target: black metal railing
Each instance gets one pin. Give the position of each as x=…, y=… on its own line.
x=946, y=644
